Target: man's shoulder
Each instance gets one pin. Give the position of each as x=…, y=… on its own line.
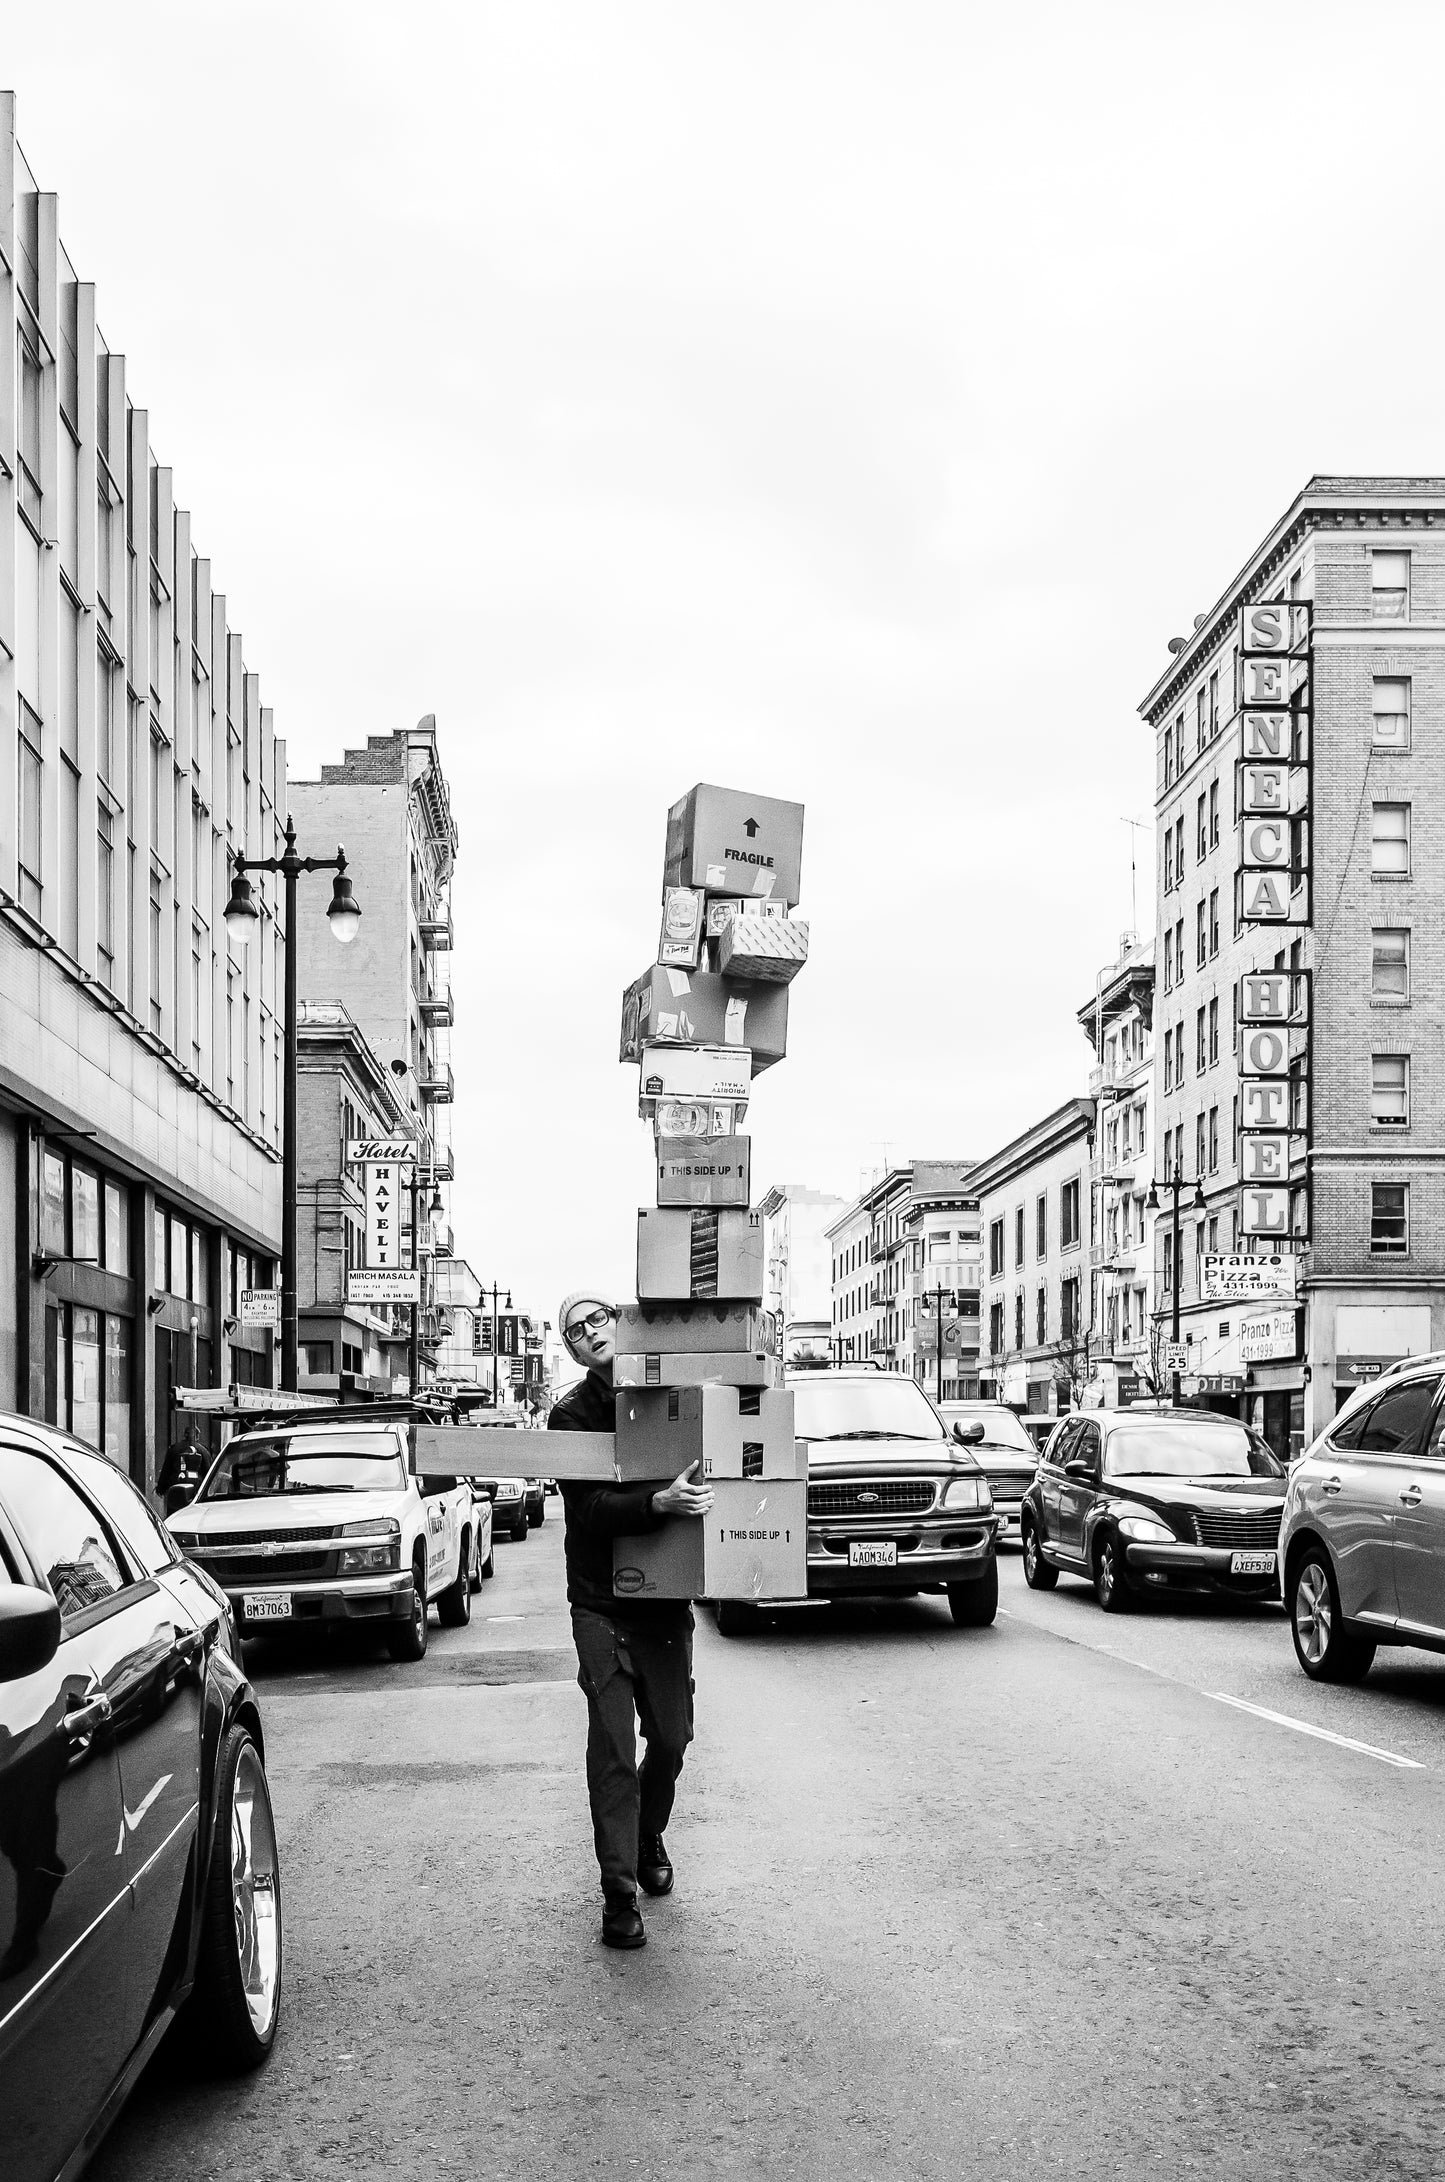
x=585, y=1407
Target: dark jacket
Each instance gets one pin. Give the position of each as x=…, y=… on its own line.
x=596, y=1514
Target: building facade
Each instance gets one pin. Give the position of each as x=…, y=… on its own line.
x=1301, y=940
x=797, y=1266
x=869, y=1268
x=945, y=1278
x=140, y=1059
x=1034, y=1204
x=1119, y=1024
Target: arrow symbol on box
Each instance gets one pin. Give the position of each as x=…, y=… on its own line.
x=750, y=827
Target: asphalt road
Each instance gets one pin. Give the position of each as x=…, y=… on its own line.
x=1040, y=1899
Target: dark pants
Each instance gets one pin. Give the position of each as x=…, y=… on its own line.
x=625, y=1669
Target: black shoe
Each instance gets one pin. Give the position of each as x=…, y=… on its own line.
x=654, y=1866
x=621, y=1925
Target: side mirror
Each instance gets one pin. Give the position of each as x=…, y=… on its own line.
x=29, y=1630
x=432, y=1484
x=179, y=1496
x=1081, y=1469
x=968, y=1435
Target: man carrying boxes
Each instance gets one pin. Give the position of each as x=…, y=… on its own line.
x=632, y=1654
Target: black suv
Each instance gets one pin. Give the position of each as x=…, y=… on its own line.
x=1155, y=1500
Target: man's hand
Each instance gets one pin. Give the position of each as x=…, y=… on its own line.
x=683, y=1498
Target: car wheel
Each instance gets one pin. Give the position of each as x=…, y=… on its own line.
x=974, y=1605
x=406, y=1640
x=736, y=1617
x=454, y=1605
x=489, y=1565
x=236, y=2002
x=1111, y=1587
x=1039, y=1574
x=1325, y=1645
x=520, y=1529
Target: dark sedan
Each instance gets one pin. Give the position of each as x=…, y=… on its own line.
x=138, y=1866
x=1147, y=1501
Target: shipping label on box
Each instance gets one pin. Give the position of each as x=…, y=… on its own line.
x=734, y=1432
x=730, y=843
x=695, y=1117
x=769, y=950
x=696, y=1072
x=752, y=1544
x=690, y=1252
x=681, y=938
x=703, y=1170
x=708, y=1367
x=698, y=1008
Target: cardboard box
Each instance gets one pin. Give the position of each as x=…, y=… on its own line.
x=696, y=1072
x=681, y=938
x=723, y=906
x=730, y=843
x=710, y=1367
x=732, y=1432
x=768, y=950
x=752, y=1544
x=700, y=1328
x=494, y=1450
x=694, y=1117
x=704, y=1170
x=698, y=1008
x=699, y=1252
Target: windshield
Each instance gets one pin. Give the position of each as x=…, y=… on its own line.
x=306, y=1462
x=887, y=1407
x=1001, y=1428
x=1188, y=1450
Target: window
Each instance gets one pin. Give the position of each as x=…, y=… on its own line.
x=1179, y=949
x=1200, y=1143
x=1394, y=1421
x=1390, y=962
x=1390, y=840
x=995, y=1329
x=85, y=1213
x=27, y=372
x=1213, y=1142
x=1201, y=951
x=320, y=1356
x=1389, y=1219
x=1201, y=718
x=52, y=1204
x=1019, y=1236
x=1390, y=586
x=995, y=1248
x=1069, y=1310
x=117, y=1229
x=1168, y=1062
x=1168, y=859
x=1068, y=1215
x=1168, y=1239
x=1179, y=1051
x=1214, y=923
x=105, y=892
x=1214, y=704
x=1168, y=961
x=1201, y=830
x=1041, y=1227
x=81, y=1565
x=1019, y=1319
x=1041, y=1316
x=1389, y=1091
x=1201, y=1048
x=1214, y=814
x=1179, y=851
x=1168, y=755
x=30, y=746
x=1213, y=1032
x=1390, y=728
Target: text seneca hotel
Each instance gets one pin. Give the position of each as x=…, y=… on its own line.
x=1300, y=929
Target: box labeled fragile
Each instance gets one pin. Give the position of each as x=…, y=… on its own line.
x=698, y=1008
x=681, y=937
x=752, y=1544
x=699, y=1251
x=697, y=1367
x=711, y=1171
x=730, y=843
x=769, y=951
x=728, y=1431
x=696, y=1072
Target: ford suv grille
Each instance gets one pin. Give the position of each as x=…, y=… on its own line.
x=872, y=1496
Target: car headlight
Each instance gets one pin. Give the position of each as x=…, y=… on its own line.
x=967, y=1492
x=382, y=1549
x=1144, y=1528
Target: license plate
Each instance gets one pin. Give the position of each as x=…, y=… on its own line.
x=273, y=1606
x=1251, y=1564
x=876, y=1553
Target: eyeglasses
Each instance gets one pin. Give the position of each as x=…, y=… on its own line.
x=594, y=1320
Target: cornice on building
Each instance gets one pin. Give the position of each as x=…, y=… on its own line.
x=1064, y=1126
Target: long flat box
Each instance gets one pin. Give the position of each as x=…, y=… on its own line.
x=692, y=1367
x=711, y=1171
x=491, y=1450
x=727, y=842
x=696, y=1072
x=698, y=1252
x=752, y=1544
x=667, y=1006
x=768, y=951
x=731, y=1432
x=713, y=1329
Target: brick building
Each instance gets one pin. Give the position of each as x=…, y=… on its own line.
x=1339, y=896
x=1034, y=1205
x=140, y=1060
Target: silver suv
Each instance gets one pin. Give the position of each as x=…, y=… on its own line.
x=1363, y=1543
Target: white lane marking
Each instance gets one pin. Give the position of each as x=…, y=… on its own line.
x=506, y=1617
x=1322, y=1734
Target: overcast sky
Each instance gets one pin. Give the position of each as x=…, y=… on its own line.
x=843, y=403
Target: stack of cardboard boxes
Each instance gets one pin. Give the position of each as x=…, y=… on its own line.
x=698, y=1374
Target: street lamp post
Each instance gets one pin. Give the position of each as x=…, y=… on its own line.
x=1175, y=1183
x=344, y=914
x=496, y=1335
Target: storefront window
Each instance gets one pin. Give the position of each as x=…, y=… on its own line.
x=117, y=1391
x=117, y=1229
x=85, y=1213
x=178, y=1257
x=52, y=1203
x=85, y=1387
x=198, y=1266
x=159, y=1270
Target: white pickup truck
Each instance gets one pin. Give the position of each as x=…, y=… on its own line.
x=326, y=1521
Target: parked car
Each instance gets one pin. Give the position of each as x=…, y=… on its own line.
x=484, y=1563
x=139, y=1878
x=1363, y=1544
x=1008, y=1455
x=509, y=1507
x=535, y=1499
x=1143, y=1501
x=896, y=1505
x=324, y=1521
